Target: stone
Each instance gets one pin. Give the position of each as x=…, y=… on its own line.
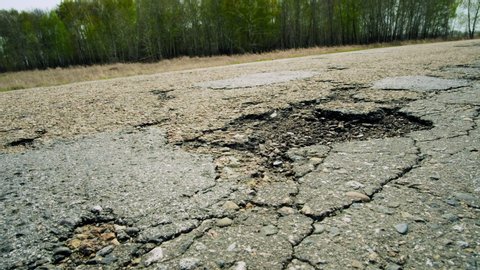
x=468, y=198
x=277, y=163
x=232, y=247
x=357, y=264
x=107, y=236
x=65, y=251
x=224, y=222
x=452, y=202
x=188, y=263
x=334, y=231
x=306, y=210
x=450, y=217
x=373, y=257
x=357, y=196
x=318, y=228
x=285, y=211
x=109, y=259
x=401, y=228
x=462, y=244
x=459, y=228
x=132, y=231
x=122, y=236
x=392, y=266
x=153, y=256
x=75, y=243
x=229, y=205
x=96, y=209
x=61, y=253
x=354, y=184
x=269, y=230
x=241, y=265
x=105, y=251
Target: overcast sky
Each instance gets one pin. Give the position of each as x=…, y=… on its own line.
x=28, y=4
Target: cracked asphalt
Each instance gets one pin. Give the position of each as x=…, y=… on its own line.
x=358, y=160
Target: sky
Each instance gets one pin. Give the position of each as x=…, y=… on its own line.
x=25, y=5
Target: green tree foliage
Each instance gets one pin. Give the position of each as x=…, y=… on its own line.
x=83, y=32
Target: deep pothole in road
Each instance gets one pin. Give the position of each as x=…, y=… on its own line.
x=271, y=135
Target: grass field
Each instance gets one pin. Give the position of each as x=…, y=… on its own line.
x=58, y=76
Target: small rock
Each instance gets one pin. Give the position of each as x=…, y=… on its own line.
x=357, y=264
x=107, y=236
x=229, y=205
x=354, y=184
x=65, y=251
x=224, y=222
x=385, y=210
x=75, y=243
x=96, y=209
x=105, y=251
x=269, y=230
x=277, y=163
x=189, y=263
x=285, y=211
x=200, y=247
x=119, y=228
x=466, y=197
x=273, y=115
x=122, y=236
x=241, y=265
x=154, y=255
x=393, y=204
x=357, y=196
x=316, y=160
x=334, y=231
x=132, y=231
x=373, y=257
x=306, y=210
x=402, y=228
x=115, y=242
x=109, y=259
x=61, y=253
x=232, y=247
x=318, y=228
x=462, y=244
x=450, y=217
x=458, y=228
x=452, y=202
x=94, y=261
x=392, y=266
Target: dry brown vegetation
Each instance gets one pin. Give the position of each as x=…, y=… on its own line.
x=58, y=76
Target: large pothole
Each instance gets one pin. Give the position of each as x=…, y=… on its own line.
x=272, y=134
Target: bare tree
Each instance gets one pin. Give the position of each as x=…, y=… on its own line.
x=472, y=7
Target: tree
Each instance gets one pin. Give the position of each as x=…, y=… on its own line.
x=472, y=8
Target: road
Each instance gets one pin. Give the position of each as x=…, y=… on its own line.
x=356, y=160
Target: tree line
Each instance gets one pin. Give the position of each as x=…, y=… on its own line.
x=85, y=32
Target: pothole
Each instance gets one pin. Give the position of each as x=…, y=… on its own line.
x=95, y=240
x=272, y=134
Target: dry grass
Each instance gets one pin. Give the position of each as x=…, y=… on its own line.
x=58, y=76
